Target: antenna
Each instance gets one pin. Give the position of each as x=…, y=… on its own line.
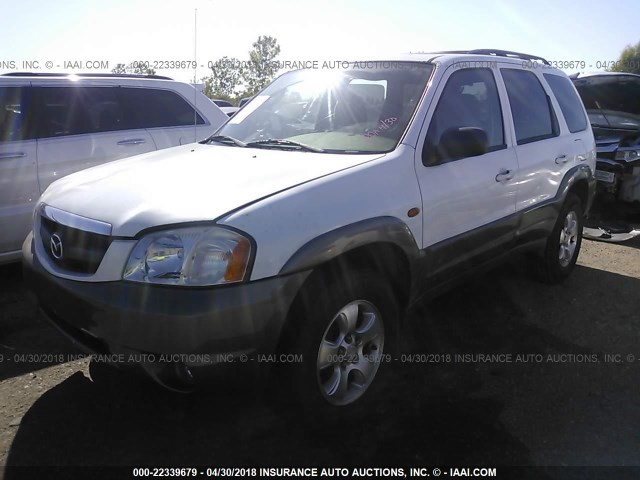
x=195, y=75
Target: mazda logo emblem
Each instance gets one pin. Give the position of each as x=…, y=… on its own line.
x=55, y=244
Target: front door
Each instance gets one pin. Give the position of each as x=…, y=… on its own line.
x=469, y=202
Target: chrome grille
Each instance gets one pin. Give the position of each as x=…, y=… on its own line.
x=73, y=243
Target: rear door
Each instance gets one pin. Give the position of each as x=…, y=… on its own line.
x=18, y=167
x=544, y=155
x=83, y=126
x=573, y=122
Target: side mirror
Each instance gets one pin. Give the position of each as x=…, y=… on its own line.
x=456, y=143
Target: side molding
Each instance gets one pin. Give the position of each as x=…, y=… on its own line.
x=343, y=239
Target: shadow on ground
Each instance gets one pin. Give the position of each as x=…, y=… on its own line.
x=24, y=334
x=440, y=413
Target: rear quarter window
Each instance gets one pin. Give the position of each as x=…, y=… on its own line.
x=569, y=102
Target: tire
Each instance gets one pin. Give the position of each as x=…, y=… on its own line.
x=340, y=329
x=563, y=245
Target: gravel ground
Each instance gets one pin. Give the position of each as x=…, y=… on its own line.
x=572, y=408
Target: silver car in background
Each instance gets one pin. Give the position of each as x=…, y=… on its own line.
x=52, y=125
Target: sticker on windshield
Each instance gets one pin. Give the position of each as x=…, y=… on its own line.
x=382, y=126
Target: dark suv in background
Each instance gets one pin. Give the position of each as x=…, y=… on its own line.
x=612, y=101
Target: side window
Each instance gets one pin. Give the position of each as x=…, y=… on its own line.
x=569, y=102
x=105, y=110
x=78, y=110
x=61, y=112
x=533, y=116
x=160, y=108
x=15, y=117
x=469, y=99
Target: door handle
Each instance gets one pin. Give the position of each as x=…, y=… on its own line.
x=12, y=155
x=132, y=141
x=561, y=159
x=504, y=175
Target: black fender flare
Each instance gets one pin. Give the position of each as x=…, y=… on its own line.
x=572, y=177
x=343, y=239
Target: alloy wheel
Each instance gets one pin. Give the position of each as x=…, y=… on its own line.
x=349, y=353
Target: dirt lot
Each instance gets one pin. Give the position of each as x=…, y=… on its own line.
x=575, y=407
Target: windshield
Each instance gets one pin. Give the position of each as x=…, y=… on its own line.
x=359, y=110
x=611, y=101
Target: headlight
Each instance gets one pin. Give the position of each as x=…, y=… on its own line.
x=190, y=257
x=628, y=155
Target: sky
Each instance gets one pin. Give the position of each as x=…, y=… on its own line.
x=121, y=31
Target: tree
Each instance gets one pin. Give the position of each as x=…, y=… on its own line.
x=629, y=61
x=228, y=75
x=225, y=78
x=262, y=65
x=138, y=68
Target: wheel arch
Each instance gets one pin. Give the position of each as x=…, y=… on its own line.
x=580, y=189
x=580, y=182
x=382, y=244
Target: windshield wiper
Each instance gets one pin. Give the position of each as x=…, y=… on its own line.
x=275, y=142
x=226, y=140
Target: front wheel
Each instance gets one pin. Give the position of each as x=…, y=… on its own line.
x=341, y=328
x=349, y=352
x=563, y=245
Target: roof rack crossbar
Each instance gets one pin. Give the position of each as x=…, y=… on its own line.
x=85, y=75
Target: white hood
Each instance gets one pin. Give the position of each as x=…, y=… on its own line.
x=188, y=183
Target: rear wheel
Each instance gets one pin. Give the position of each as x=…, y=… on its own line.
x=341, y=328
x=563, y=245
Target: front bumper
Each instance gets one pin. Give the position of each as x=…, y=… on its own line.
x=612, y=219
x=179, y=336
x=605, y=233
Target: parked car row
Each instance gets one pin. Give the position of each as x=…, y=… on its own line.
x=309, y=222
x=53, y=125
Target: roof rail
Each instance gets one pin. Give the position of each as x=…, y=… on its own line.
x=496, y=53
x=98, y=75
x=507, y=53
x=444, y=52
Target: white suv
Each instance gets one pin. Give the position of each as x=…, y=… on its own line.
x=301, y=231
x=52, y=125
